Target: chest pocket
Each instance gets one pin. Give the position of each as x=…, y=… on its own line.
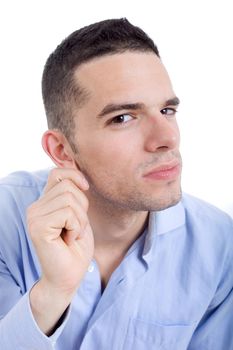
x=151, y=336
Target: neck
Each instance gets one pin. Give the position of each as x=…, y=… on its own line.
x=116, y=228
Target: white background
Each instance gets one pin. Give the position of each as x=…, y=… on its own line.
x=195, y=42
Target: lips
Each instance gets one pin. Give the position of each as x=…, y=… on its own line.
x=166, y=171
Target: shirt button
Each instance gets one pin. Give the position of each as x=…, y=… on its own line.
x=91, y=267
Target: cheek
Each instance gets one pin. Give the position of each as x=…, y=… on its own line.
x=110, y=152
x=107, y=165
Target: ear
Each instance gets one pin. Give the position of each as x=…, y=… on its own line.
x=58, y=149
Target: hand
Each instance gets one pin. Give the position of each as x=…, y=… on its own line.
x=60, y=229
x=63, y=239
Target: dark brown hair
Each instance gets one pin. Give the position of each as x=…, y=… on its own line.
x=60, y=92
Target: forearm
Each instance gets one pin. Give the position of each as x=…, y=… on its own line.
x=48, y=306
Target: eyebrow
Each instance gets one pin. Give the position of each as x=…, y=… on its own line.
x=112, y=107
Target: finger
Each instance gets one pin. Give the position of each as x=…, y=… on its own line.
x=70, y=236
x=59, y=174
x=66, y=188
x=61, y=202
x=52, y=225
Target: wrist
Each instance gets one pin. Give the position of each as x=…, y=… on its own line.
x=48, y=305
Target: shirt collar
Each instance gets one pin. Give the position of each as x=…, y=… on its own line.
x=162, y=222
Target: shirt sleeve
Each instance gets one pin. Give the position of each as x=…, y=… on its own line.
x=215, y=331
x=18, y=328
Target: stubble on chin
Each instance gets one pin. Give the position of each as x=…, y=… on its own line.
x=132, y=199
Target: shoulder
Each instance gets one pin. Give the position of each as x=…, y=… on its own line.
x=17, y=191
x=204, y=213
x=208, y=228
x=23, y=186
x=25, y=179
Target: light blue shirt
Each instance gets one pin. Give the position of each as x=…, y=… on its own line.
x=172, y=291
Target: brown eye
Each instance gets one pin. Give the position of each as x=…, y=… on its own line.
x=168, y=111
x=121, y=119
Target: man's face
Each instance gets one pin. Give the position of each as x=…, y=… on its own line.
x=126, y=133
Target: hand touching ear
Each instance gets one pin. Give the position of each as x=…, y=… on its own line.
x=63, y=239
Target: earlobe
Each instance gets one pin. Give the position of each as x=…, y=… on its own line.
x=58, y=149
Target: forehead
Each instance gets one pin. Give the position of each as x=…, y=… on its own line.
x=131, y=76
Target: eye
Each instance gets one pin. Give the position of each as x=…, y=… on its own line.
x=121, y=119
x=169, y=112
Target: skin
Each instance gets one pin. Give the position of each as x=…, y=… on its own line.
x=121, y=153
x=68, y=224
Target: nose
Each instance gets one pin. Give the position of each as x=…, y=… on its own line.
x=162, y=133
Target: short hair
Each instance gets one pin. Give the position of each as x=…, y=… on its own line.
x=61, y=93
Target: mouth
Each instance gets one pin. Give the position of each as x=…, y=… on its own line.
x=169, y=171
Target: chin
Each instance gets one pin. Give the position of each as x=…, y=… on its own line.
x=173, y=200
x=153, y=201
x=164, y=203
x=164, y=200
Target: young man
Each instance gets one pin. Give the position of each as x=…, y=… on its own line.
x=110, y=254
